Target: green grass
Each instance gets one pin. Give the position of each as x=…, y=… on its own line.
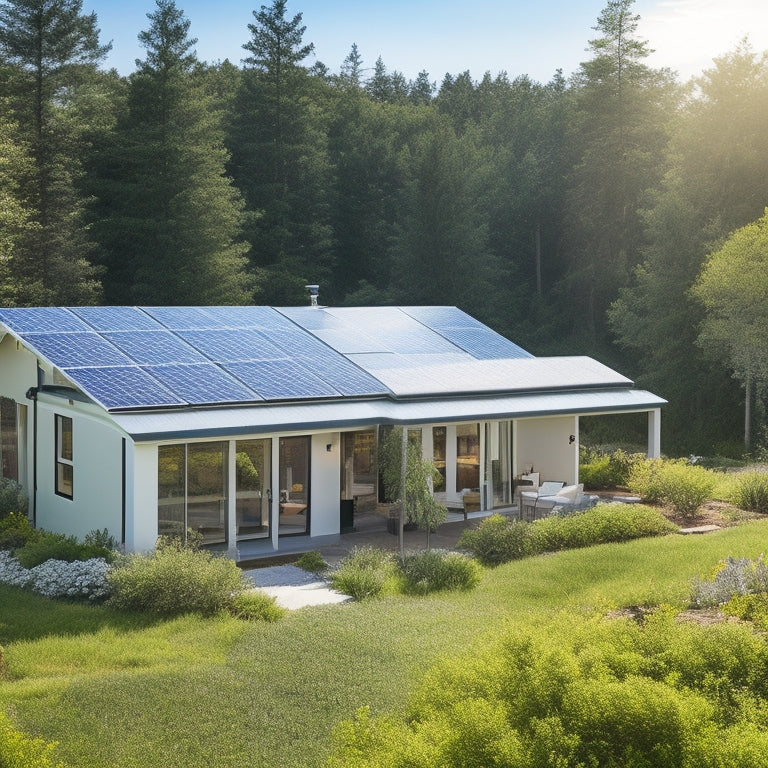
x=118, y=691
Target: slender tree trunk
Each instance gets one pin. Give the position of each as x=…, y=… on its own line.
x=748, y=412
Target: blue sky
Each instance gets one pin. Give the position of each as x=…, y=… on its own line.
x=440, y=36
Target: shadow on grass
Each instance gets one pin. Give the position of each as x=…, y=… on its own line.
x=27, y=616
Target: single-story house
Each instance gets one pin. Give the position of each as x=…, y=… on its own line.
x=253, y=424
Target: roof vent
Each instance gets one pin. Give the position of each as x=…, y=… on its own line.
x=313, y=291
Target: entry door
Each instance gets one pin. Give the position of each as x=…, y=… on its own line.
x=294, y=486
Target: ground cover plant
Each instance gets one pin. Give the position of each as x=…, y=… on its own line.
x=119, y=689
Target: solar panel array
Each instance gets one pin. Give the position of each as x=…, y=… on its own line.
x=144, y=357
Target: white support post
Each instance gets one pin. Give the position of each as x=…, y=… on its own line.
x=654, y=433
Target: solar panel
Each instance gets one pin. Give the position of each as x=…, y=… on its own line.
x=281, y=380
x=201, y=384
x=345, y=377
x=42, y=320
x=231, y=345
x=441, y=317
x=183, y=318
x=76, y=350
x=123, y=387
x=347, y=341
x=154, y=347
x=483, y=343
x=116, y=318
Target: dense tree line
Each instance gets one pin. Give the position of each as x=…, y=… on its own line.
x=573, y=216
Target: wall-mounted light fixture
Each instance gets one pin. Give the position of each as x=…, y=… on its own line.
x=571, y=439
x=329, y=447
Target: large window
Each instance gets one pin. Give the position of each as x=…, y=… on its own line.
x=9, y=440
x=468, y=456
x=192, y=490
x=64, y=457
x=253, y=488
x=294, y=485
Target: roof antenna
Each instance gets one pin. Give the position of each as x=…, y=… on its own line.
x=313, y=291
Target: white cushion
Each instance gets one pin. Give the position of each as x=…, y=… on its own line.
x=571, y=492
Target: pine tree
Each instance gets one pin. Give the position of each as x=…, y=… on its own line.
x=172, y=217
x=52, y=51
x=279, y=158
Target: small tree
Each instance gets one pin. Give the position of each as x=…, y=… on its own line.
x=420, y=477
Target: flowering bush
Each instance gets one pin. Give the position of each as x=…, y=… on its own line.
x=55, y=578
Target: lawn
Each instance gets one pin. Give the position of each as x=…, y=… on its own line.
x=188, y=692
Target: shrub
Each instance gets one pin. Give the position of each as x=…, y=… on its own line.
x=751, y=492
x=16, y=531
x=598, y=470
x=730, y=579
x=174, y=580
x=57, y=546
x=591, y=693
x=13, y=499
x=435, y=570
x=497, y=540
x=312, y=562
x=363, y=573
x=17, y=750
x=600, y=525
x=255, y=605
x=682, y=486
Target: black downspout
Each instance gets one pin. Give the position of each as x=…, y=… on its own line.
x=125, y=483
x=32, y=395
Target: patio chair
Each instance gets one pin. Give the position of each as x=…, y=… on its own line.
x=529, y=500
x=566, y=501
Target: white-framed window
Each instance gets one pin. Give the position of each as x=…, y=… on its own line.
x=64, y=457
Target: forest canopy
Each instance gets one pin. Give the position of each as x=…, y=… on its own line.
x=573, y=216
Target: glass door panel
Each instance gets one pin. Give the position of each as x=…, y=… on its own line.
x=468, y=457
x=253, y=488
x=171, y=491
x=498, y=460
x=294, y=486
x=207, y=490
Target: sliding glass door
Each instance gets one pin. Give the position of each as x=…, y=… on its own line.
x=294, y=486
x=253, y=488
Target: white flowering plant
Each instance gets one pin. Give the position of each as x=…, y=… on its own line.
x=81, y=579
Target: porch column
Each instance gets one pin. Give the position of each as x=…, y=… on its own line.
x=654, y=433
x=231, y=517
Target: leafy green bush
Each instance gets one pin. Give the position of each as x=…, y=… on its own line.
x=682, y=486
x=255, y=605
x=312, y=562
x=16, y=531
x=592, y=693
x=57, y=546
x=752, y=607
x=751, y=492
x=435, y=570
x=599, y=470
x=363, y=573
x=175, y=580
x=17, y=750
x=497, y=540
x=100, y=538
x=13, y=498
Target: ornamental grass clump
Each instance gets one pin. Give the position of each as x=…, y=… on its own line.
x=175, y=580
x=364, y=573
x=435, y=570
x=731, y=578
x=751, y=492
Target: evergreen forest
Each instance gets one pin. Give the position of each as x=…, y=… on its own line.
x=580, y=216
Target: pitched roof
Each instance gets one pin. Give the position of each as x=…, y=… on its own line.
x=139, y=358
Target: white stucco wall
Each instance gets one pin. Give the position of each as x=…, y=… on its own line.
x=97, y=451
x=326, y=484
x=544, y=444
x=141, y=520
